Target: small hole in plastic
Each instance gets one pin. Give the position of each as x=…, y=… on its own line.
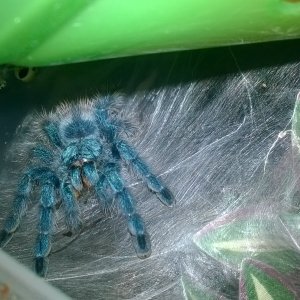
x=25, y=74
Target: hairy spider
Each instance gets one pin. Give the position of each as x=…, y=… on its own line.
x=74, y=148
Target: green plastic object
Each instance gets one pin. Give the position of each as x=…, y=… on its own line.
x=45, y=32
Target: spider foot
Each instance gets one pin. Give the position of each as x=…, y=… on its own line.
x=142, y=245
x=140, y=238
x=4, y=237
x=166, y=197
x=41, y=266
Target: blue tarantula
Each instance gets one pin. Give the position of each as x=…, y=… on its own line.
x=74, y=148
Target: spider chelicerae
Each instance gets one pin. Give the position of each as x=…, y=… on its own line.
x=74, y=148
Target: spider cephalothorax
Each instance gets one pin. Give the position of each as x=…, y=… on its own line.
x=79, y=146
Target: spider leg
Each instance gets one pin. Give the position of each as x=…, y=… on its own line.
x=45, y=227
x=90, y=174
x=43, y=154
x=51, y=130
x=132, y=158
x=70, y=205
x=102, y=191
x=75, y=176
x=136, y=227
x=49, y=182
x=18, y=210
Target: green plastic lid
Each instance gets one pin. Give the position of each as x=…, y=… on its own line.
x=45, y=32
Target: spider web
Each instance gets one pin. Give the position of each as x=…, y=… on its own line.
x=215, y=125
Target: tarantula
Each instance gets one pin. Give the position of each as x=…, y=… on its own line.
x=74, y=148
